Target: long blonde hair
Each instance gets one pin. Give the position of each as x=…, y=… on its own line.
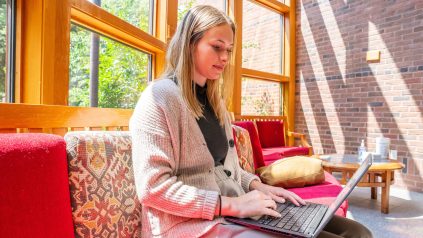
x=179, y=60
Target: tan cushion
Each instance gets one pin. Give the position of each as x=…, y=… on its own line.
x=297, y=171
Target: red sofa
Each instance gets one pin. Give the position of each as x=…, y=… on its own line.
x=81, y=186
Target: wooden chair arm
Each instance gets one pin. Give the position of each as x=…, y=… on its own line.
x=303, y=140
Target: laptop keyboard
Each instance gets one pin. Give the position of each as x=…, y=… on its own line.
x=292, y=217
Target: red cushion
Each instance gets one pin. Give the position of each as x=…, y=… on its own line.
x=34, y=194
x=275, y=153
x=255, y=142
x=324, y=193
x=271, y=133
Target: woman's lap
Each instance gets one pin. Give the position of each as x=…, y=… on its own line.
x=337, y=227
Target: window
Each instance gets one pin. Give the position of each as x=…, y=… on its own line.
x=122, y=72
x=262, y=54
x=261, y=38
x=136, y=12
x=3, y=45
x=185, y=5
x=261, y=97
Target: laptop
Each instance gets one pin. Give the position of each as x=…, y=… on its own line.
x=308, y=220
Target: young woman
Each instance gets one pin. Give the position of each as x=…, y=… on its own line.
x=185, y=164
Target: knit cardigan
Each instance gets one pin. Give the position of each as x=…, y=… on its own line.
x=173, y=168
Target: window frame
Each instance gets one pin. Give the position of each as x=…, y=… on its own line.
x=10, y=50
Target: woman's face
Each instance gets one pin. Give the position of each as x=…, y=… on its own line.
x=212, y=52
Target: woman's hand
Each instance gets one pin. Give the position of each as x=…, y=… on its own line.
x=254, y=203
x=276, y=193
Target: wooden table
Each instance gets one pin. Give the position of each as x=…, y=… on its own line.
x=380, y=174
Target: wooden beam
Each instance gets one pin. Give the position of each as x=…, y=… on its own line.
x=51, y=116
x=289, y=67
x=275, y=5
x=43, y=52
x=251, y=73
x=235, y=12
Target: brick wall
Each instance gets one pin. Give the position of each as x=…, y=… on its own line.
x=342, y=98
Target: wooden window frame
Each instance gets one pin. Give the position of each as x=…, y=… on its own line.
x=43, y=38
x=287, y=78
x=43, y=43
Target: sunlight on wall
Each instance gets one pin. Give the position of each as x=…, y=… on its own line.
x=310, y=121
x=334, y=34
x=327, y=100
x=388, y=82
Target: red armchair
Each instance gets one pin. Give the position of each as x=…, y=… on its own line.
x=268, y=141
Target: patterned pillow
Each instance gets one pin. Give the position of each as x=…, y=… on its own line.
x=244, y=149
x=103, y=196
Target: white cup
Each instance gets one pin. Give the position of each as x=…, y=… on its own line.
x=393, y=154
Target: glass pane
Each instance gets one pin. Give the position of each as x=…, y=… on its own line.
x=185, y=5
x=260, y=97
x=136, y=12
x=261, y=38
x=122, y=71
x=3, y=22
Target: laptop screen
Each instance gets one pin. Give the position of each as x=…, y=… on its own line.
x=365, y=165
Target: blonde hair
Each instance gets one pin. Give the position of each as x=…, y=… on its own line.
x=179, y=60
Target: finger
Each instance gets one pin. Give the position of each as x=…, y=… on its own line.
x=270, y=204
x=298, y=198
x=272, y=213
x=278, y=198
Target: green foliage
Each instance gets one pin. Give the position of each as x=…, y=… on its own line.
x=122, y=69
x=184, y=6
x=263, y=106
x=3, y=20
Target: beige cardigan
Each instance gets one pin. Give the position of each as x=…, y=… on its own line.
x=173, y=168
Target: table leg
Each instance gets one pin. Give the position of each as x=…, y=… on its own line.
x=373, y=189
x=385, y=192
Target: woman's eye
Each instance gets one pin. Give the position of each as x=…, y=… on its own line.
x=216, y=47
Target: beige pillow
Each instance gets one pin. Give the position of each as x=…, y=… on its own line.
x=297, y=171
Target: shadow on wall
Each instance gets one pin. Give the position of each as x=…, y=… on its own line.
x=343, y=97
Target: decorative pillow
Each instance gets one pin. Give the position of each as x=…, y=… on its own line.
x=271, y=133
x=244, y=149
x=103, y=197
x=297, y=171
x=255, y=142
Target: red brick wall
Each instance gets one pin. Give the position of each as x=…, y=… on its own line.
x=342, y=98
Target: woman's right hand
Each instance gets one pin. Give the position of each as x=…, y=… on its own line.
x=254, y=203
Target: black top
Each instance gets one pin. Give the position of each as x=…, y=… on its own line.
x=213, y=133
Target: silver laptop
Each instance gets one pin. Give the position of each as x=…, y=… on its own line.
x=308, y=220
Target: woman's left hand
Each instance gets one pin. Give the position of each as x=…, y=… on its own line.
x=277, y=193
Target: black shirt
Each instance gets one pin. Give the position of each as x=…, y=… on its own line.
x=213, y=133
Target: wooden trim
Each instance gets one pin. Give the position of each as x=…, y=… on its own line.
x=235, y=12
x=251, y=73
x=96, y=19
x=166, y=21
x=18, y=56
x=55, y=52
x=50, y=116
x=290, y=67
x=274, y=5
